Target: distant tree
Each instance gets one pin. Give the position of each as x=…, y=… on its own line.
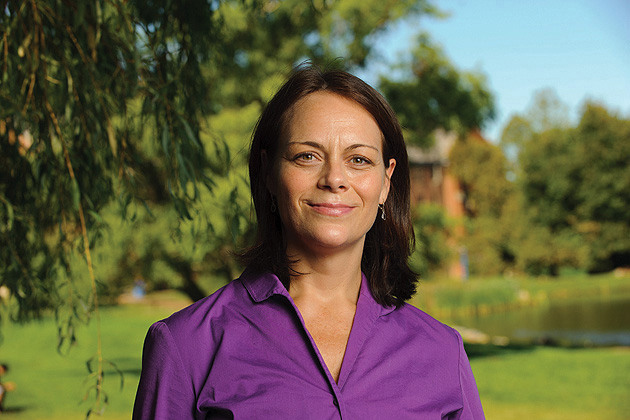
x=481, y=169
x=433, y=231
x=603, y=196
x=545, y=112
x=431, y=93
x=428, y=93
x=261, y=44
x=516, y=132
x=575, y=188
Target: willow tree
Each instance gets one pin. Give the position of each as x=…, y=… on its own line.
x=72, y=73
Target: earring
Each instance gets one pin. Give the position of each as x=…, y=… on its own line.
x=382, y=207
x=273, y=204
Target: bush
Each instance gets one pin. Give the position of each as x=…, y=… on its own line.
x=432, y=233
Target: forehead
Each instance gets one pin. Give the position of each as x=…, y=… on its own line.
x=325, y=113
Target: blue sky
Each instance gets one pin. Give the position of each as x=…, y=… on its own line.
x=579, y=48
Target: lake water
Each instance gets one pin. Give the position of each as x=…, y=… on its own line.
x=596, y=321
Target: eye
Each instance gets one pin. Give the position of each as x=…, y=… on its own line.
x=306, y=157
x=360, y=160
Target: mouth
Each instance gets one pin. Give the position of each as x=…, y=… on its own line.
x=331, y=209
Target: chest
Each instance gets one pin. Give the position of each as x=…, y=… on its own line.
x=330, y=334
x=272, y=371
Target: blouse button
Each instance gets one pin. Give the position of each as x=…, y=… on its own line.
x=335, y=402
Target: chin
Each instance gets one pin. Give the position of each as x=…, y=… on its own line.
x=329, y=244
x=326, y=237
x=336, y=239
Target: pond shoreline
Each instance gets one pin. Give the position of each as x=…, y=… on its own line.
x=571, y=313
x=477, y=297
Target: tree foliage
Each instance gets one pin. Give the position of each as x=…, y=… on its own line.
x=565, y=203
x=433, y=232
x=433, y=94
x=72, y=73
x=575, y=186
x=429, y=93
x=481, y=170
x=260, y=45
x=106, y=101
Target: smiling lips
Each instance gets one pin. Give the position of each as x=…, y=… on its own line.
x=331, y=209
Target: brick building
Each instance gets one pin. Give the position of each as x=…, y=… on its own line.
x=431, y=181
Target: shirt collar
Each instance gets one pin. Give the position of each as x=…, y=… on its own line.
x=262, y=286
x=366, y=296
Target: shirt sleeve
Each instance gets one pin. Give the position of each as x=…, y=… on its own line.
x=165, y=390
x=472, y=409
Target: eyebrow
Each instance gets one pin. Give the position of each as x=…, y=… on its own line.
x=321, y=147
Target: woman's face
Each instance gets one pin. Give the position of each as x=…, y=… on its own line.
x=329, y=175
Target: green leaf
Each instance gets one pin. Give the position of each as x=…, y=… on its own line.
x=165, y=140
x=97, y=217
x=189, y=132
x=10, y=215
x=119, y=372
x=76, y=195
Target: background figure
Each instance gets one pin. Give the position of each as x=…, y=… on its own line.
x=4, y=386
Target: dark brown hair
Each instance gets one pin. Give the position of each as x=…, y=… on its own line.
x=389, y=243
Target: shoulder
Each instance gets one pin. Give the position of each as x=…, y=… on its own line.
x=178, y=353
x=195, y=319
x=412, y=314
x=409, y=320
x=233, y=307
x=191, y=336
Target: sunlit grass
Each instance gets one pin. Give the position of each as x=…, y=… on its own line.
x=555, y=383
x=52, y=386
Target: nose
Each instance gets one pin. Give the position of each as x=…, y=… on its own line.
x=333, y=176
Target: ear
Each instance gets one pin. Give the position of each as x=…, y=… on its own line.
x=389, y=171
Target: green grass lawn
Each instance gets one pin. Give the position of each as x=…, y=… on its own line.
x=526, y=383
x=52, y=386
x=554, y=383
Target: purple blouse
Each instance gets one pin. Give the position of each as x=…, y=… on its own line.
x=244, y=353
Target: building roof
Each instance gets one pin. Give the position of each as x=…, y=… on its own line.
x=437, y=154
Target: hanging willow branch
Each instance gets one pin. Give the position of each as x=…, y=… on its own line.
x=100, y=400
x=70, y=139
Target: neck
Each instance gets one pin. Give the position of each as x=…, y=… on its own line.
x=327, y=278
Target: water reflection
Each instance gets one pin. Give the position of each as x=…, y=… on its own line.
x=587, y=321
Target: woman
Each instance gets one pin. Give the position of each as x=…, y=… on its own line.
x=316, y=327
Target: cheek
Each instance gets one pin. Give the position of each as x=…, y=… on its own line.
x=290, y=186
x=370, y=188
